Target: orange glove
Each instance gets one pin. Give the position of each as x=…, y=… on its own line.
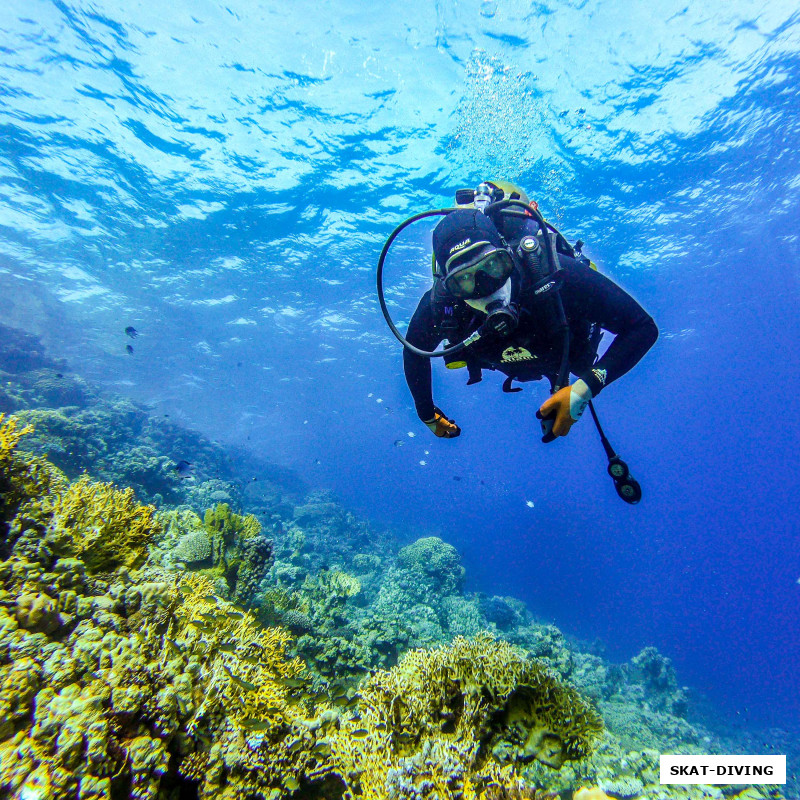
x=443, y=427
x=563, y=409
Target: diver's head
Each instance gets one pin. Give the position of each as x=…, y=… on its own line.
x=471, y=257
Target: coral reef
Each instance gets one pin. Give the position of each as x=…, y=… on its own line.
x=96, y=522
x=238, y=552
x=655, y=673
x=451, y=721
x=226, y=546
x=22, y=477
x=432, y=557
x=141, y=680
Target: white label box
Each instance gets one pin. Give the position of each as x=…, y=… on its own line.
x=723, y=769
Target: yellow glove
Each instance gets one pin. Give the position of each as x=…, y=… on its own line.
x=563, y=409
x=441, y=426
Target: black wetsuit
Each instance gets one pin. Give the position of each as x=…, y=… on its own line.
x=592, y=303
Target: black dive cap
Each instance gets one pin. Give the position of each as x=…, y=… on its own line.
x=461, y=231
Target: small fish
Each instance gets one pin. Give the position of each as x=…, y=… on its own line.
x=59, y=375
x=210, y=598
x=359, y=733
x=456, y=477
x=131, y=331
x=250, y=660
x=185, y=588
x=256, y=724
x=235, y=614
x=398, y=442
x=321, y=749
x=238, y=363
x=227, y=648
x=380, y=726
x=291, y=783
x=174, y=646
x=128, y=349
x=291, y=683
x=411, y=434
x=184, y=469
x=240, y=682
x=294, y=745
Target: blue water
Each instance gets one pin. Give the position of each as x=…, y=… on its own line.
x=222, y=177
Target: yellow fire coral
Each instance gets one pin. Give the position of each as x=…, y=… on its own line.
x=103, y=526
x=22, y=476
x=342, y=584
x=478, y=705
x=9, y=438
x=246, y=663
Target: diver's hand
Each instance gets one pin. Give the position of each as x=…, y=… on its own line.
x=443, y=427
x=563, y=409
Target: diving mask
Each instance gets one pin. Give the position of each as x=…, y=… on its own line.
x=481, y=277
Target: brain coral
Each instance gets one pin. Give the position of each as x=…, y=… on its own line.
x=193, y=547
x=433, y=557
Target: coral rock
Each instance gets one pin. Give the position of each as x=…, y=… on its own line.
x=37, y=612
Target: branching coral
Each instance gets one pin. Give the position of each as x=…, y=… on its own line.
x=103, y=526
x=463, y=702
x=9, y=439
x=22, y=476
x=238, y=553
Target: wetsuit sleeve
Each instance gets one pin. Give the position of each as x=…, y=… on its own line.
x=589, y=295
x=422, y=333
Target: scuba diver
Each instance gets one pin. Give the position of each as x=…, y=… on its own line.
x=511, y=294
